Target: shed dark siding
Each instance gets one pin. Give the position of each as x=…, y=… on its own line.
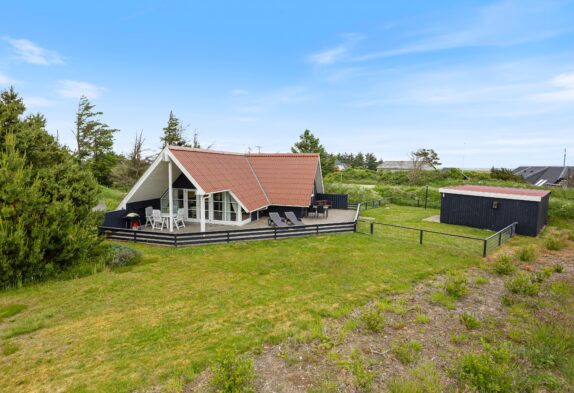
x=478, y=212
x=338, y=201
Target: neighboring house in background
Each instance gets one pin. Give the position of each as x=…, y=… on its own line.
x=401, y=166
x=547, y=175
x=340, y=166
x=226, y=188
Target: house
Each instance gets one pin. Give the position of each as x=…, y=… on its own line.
x=340, y=166
x=215, y=187
x=402, y=166
x=547, y=175
x=495, y=207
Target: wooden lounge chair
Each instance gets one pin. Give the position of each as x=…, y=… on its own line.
x=276, y=220
x=292, y=218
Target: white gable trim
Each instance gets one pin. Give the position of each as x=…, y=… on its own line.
x=498, y=195
x=165, y=153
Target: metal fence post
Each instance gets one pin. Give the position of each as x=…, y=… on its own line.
x=275, y=233
x=500, y=238
x=372, y=228
x=484, y=249
x=135, y=234
x=175, y=240
x=228, y=236
x=317, y=229
x=421, y=238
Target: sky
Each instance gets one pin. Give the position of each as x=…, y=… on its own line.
x=484, y=83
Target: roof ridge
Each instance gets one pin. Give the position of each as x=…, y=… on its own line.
x=257, y=178
x=199, y=150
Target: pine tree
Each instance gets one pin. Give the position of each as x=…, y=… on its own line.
x=132, y=166
x=308, y=143
x=359, y=161
x=371, y=161
x=173, y=132
x=86, y=123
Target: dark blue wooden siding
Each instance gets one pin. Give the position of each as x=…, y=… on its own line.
x=478, y=212
x=338, y=201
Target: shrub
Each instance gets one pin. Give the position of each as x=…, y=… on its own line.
x=455, y=285
x=422, y=379
x=554, y=244
x=522, y=284
x=469, y=321
x=233, y=374
x=504, y=265
x=363, y=377
x=541, y=275
x=407, y=352
x=489, y=371
x=481, y=280
x=527, y=254
x=549, y=345
x=422, y=318
x=558, y=268
x=373, y=320
x=120, y=255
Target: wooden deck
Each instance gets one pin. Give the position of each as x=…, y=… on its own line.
x=335, y=216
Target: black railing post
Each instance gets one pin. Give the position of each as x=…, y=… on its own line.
x=317, y=228
x=500, y=238
x=372, y=228
x=134, y=235
x=355, y=226
x=175, y=240
x=228, y=236
x=421, y=238
x=275, y=233
x=484, y=248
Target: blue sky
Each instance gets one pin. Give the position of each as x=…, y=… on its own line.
x=482, y=82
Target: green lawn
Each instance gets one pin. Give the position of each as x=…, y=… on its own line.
x=111, y=197
x=168, y=316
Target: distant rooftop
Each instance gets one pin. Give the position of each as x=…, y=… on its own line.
x=544, y=175
x=496, y=192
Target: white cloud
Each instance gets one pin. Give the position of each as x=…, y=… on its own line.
x=31, y=53
x=337, y=53
x=564, y=83
x=75, y=89
x=37, y=102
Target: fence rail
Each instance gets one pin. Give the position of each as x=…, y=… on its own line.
x=463, y=242
x=190, y=239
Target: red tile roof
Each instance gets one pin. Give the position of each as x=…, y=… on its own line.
x=500, y=192
x=257, y=180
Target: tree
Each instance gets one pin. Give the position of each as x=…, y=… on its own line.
x=359, y=161
x=420, y=159
x=46, y=219
x=371, y=161
x=308, y=143
x=173, y=133
x=505, y=174
x=94, y=141
x=131, y=166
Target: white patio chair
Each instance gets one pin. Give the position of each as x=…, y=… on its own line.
x=158, y=220
x=178, y=220
x=148, y=216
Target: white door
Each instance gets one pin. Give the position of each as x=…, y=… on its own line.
x=191, y=204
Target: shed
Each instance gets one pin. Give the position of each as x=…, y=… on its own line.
x=495, y=207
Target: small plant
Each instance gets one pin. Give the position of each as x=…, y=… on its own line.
x=527, y=254
x=455, y=285
x=554, y=243
x=407, y=352
x=481, y=280
x=522, y=284
x=120, y=255
x=541, y=275
x=549, y=345
x=8, y=348
x=504, y=265
x=373, y=320
x=422, y=318
x=423, y=379
x=443, y=299
x=363, y=377
x=489, y=371
x=233, y=374
x=558, y=268
x=469, y=321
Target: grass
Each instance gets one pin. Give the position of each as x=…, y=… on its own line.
x=469, y=321
x=407, y=352
x=111, y=197
x=422, y=379
x=168, y=316
x=504, y=265
x=10, y=310
x=527, y=253
x=423, y=319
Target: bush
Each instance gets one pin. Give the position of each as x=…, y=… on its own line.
x=489, y=371
x=541, y=275
x=554, y=243
x=373, y=320
x=558, y=268
x=550, y=345
x=363, y=377
x=455, y=285
x=120, y=255
x=47, y=223
x=469, y=321
x=504, y=265
x=527, y=254
x=522, y=284
x=233, y=374
x=407, y=352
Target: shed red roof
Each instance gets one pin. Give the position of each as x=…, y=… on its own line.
x=257, y=180
x=497, y=192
